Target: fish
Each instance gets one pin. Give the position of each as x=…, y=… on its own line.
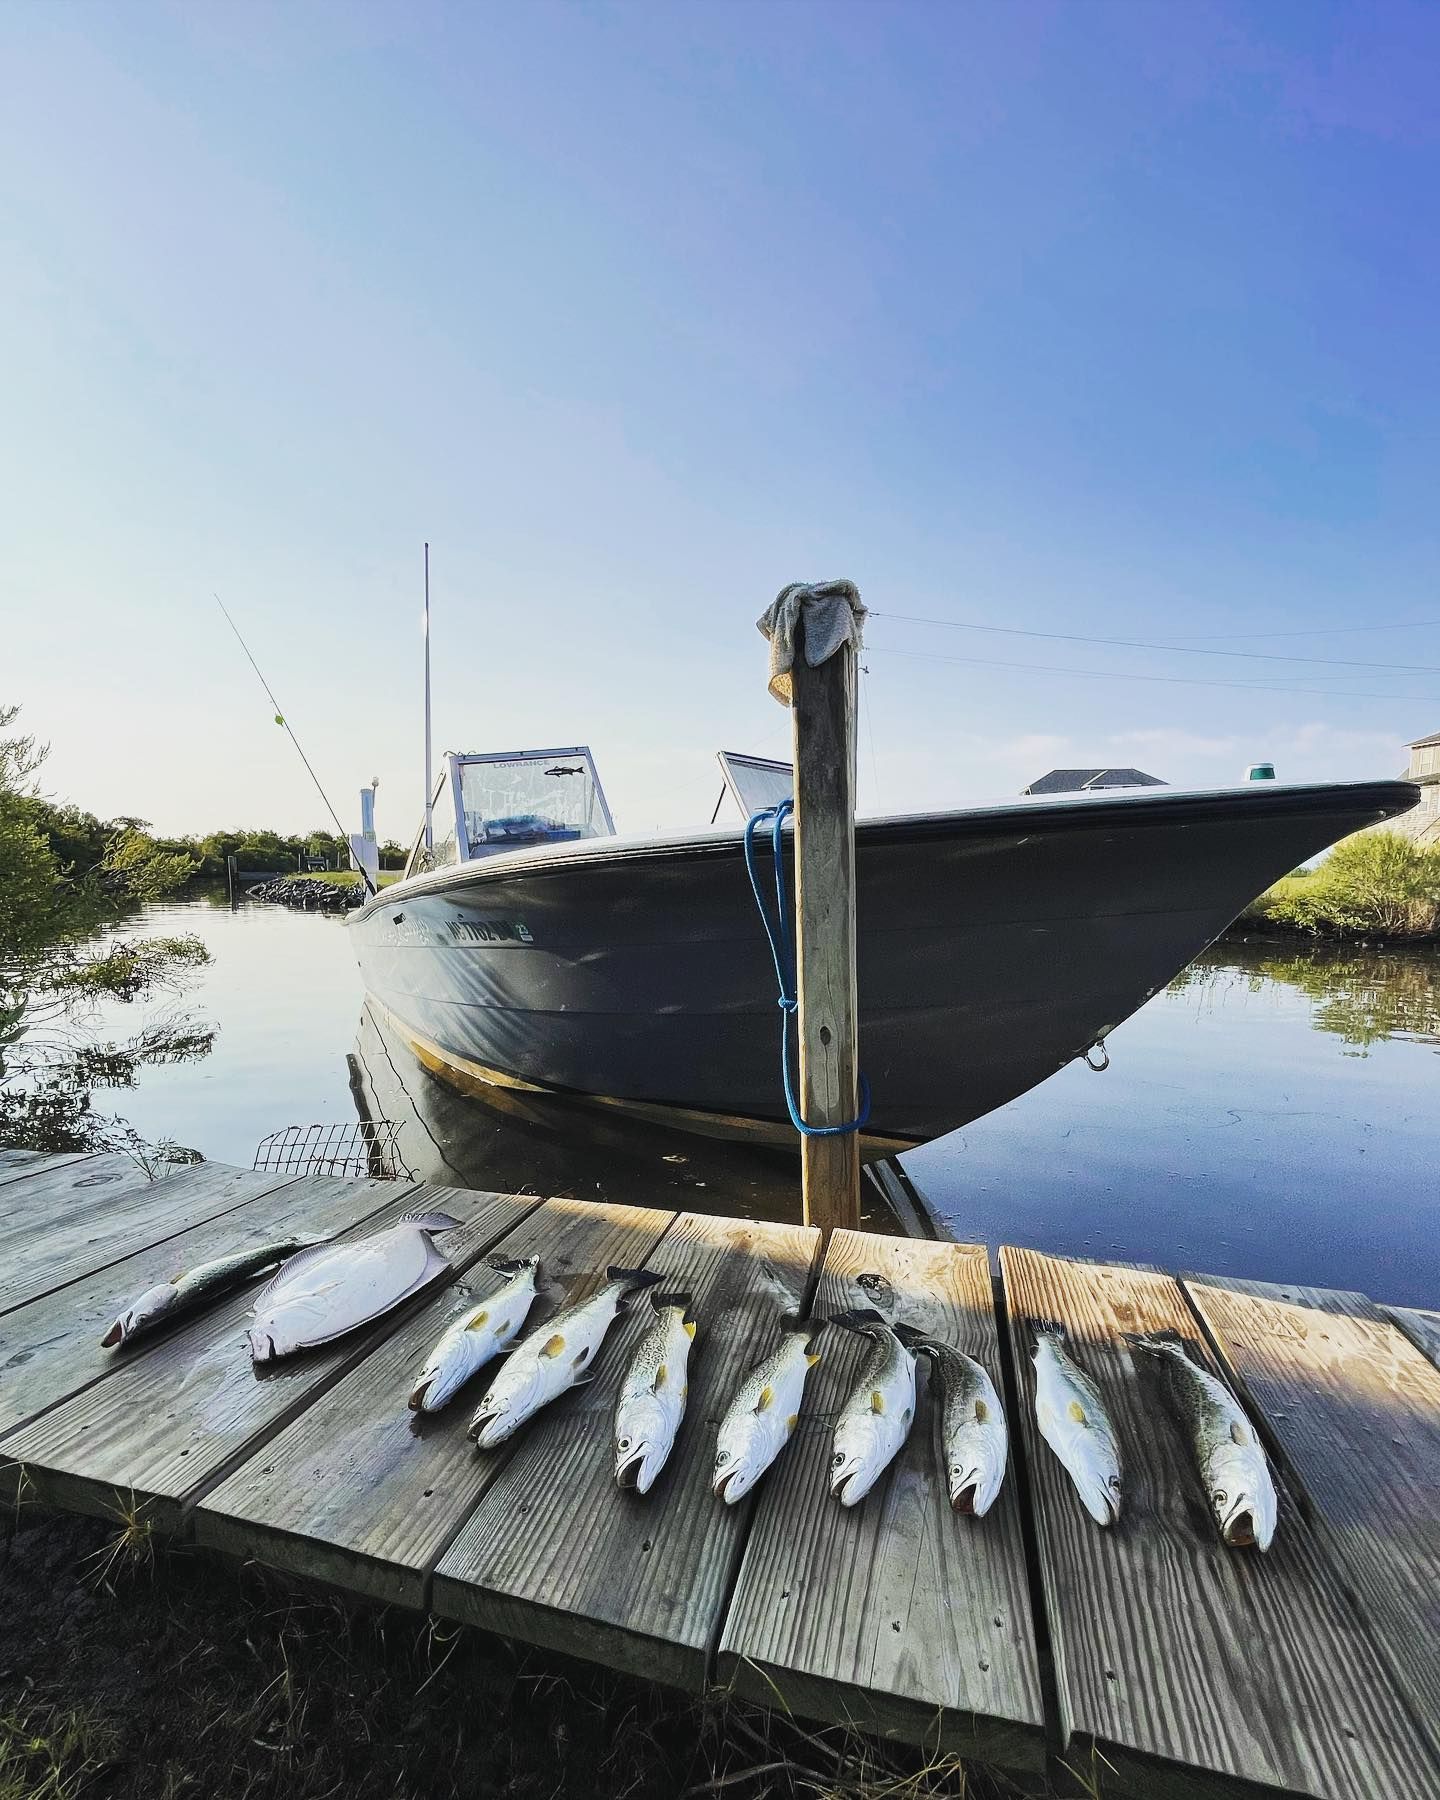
x=1074, y=1423
x=653, y=1393
x=333, y=1288
x=477, y=1335
x=1228, y=1453
x=207, y=1281
x=559, y=1355
x=761, y=1418
x=876, y=1419
x=972, y=1428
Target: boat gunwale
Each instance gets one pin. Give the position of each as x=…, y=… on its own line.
x=1096, y=810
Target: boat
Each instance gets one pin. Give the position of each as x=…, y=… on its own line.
x=529, y=948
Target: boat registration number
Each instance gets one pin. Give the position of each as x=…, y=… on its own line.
x=491, y=931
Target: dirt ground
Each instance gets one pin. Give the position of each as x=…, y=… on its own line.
x=136, y=1671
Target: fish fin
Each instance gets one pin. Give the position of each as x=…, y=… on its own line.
x=689, y=1325
x=579, y=1362
x=766, y=1399
x=479, y=1321
x=553, y=1346
x=1076, y=1412
x=1241, y=1432
x=685, y=1392
x=910, y=1335
x=1154, y=1343
x=982, y=1412
x=877, y=1401
x=791, y=1423
x=429, y=1221
x=288, y=1268
x=662, y=1375
x=634, y=1278
x=811, y=1358
x=860, y=1318
x=1051, y=1328
x=660, y=1301
x=512, y=1265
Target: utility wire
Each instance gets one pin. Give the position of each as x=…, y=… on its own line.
x=1250, y=687
x=1072, y=637
x=1208, y=637
x=280, y=719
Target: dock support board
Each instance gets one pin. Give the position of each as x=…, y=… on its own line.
x=1179, y=1660
x=363, y=1492
x=897, y=1613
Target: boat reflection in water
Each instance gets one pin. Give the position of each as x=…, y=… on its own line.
x=510, y=1141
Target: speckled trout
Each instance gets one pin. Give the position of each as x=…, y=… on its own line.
x=1228, y=1454
x=876, y=1419
x=197, y=1286
x=559, y=1355
x=972, y=1424
x=759, y=1421
x=1074, y=1423
x=653, y=1393
x=481, y=1331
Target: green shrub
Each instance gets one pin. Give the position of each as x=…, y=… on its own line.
x=1377, y=882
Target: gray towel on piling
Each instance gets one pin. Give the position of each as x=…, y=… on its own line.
x=833, y=616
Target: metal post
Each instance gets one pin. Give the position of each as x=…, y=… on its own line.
x=429, y=830
x=824, y=737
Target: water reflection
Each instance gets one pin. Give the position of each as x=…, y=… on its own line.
x=1360, y=995
x=531, y=1143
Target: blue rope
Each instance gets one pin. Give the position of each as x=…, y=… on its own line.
x=782, y=952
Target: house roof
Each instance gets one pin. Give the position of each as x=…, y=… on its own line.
x=1074, y=781
x=1426, y=742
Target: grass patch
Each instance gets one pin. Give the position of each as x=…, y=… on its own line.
x=181, y=1677
x=1376, y=884
x=346, y=878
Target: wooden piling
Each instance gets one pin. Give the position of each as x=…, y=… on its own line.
x=823, y=715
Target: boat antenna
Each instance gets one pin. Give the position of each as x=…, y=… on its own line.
x=429, y=826
x=281, y=720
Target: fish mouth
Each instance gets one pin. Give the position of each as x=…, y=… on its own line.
x=262, y=1347
x=117, y=1334
x=722, y=1483
x=482, y=1425
x=1245, y=1526
x=417, y=1399
x=842, y=1483
x=964, y=1493
x=630, y=1468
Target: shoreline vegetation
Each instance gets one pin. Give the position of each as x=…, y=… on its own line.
x=1375, y=887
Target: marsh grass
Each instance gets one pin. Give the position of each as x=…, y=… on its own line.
x=176, y=1676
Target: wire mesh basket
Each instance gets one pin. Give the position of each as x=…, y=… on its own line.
x=366, y=1147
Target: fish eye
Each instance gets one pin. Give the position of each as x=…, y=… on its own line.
x=624, y=1444
x=1115, y=1483
x=722, y=1459
x=1220, y=1496
x=837, y=1460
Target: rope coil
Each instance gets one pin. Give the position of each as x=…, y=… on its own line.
x=782, y=952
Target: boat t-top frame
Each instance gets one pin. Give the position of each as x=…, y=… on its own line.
x=502, y=800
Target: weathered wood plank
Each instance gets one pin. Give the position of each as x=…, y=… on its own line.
x=19, y=1165
x=364, y=1492
x=640, y=1582
x=95, y=1225
x=1172, y=1652
x=1421, y=1327
x=66, y=1189
x=181, y=1415
x=828, y=1017
x=50, y=1348
x=1355, y=1409
x=896, y=1613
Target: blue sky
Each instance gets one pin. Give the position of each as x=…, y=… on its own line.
x=1116, y=320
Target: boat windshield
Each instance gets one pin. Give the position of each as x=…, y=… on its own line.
x=548, y=797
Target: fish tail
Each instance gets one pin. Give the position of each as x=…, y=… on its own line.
x=661, y=1301
x=512, y=1265
x=1155, y=1343
x=794, y=1326
x=430, y=1221
x=913, y=1338
x=858, y=1318
x=1050, y=1328
x=633, y=1278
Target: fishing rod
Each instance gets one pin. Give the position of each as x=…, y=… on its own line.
x=281, y=720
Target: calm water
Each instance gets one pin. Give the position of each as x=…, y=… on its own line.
x=1271, y=1114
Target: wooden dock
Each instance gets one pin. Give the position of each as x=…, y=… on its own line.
x=1148, y=1654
